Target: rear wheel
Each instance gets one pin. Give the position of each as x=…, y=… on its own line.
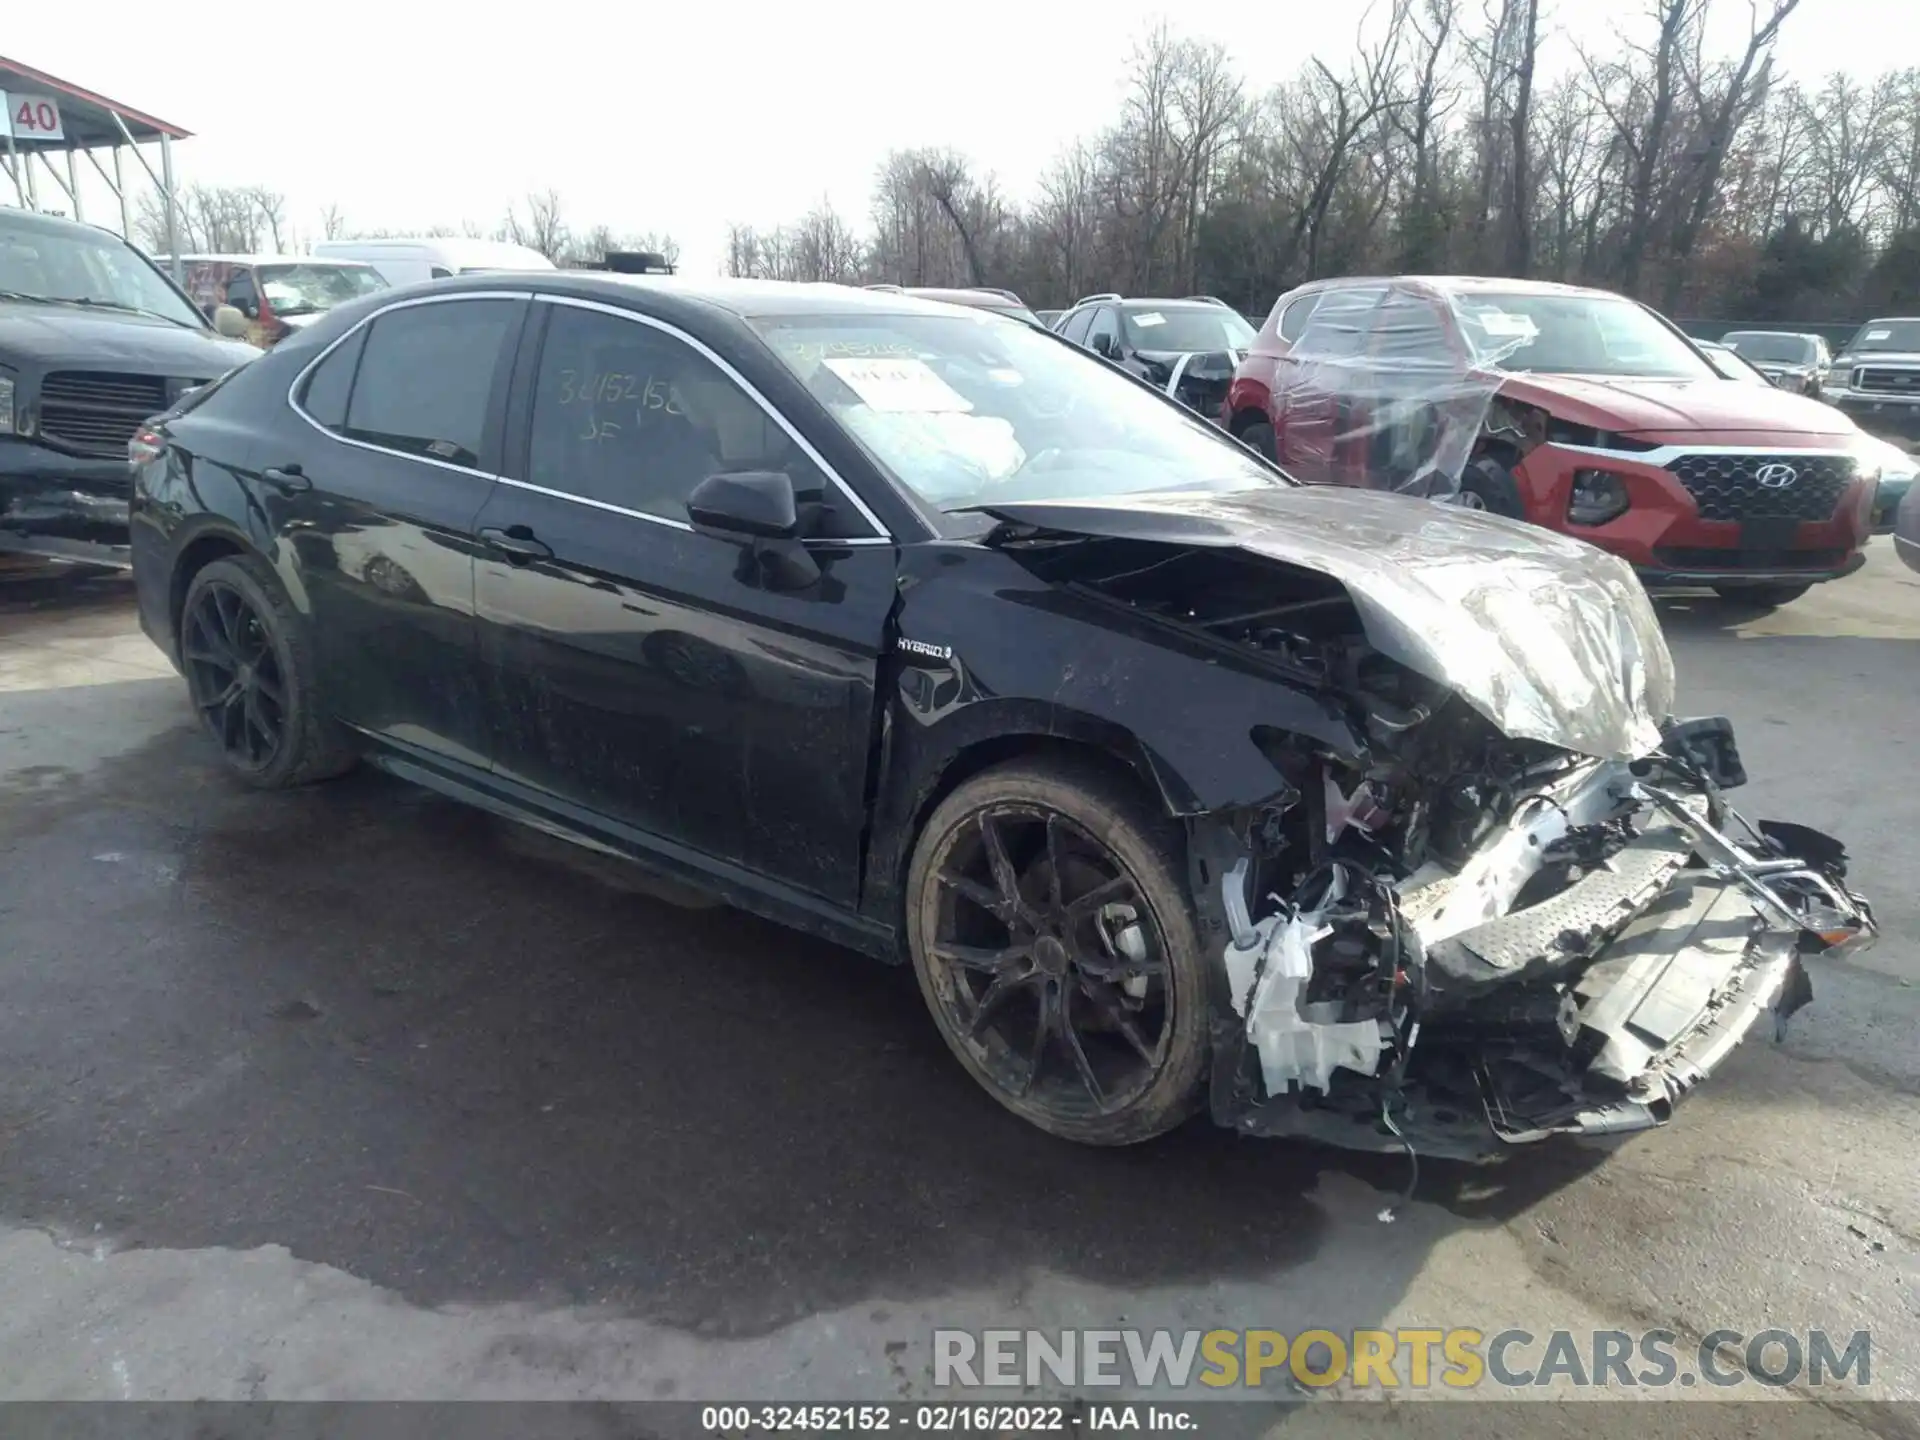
x=1056, y=947
x=250, y=675
x=1258, y=437
x=1761, y=597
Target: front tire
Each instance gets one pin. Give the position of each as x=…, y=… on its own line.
x=1488, y=485
x=1761, y=597
x=250, y=675
x=1055, y=944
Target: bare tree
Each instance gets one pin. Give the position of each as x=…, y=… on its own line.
x=542, y=226
x=333, y=222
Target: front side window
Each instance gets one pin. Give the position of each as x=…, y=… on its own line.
x=966, y=411
x=1105, y=329
x=425, y=378
x=85, y=268
x=1560, y=334
x=628, y=415
x=1076, y=327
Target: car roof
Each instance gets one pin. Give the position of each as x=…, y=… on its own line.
x=223, y=259
x=745, y=299
x=1466, y=285
x=978, y=299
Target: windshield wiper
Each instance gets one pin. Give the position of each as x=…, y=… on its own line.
x=91, y=303
x=30, y=299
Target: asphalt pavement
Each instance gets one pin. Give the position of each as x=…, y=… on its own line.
x=358, y=1093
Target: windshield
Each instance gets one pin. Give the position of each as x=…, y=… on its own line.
x=90, y=268
x=1728, y=362
x=304, y=289
x=1771, y=347
x=973, y=410
x=1576, y=335
x=1182, y=328
x=1886, y=335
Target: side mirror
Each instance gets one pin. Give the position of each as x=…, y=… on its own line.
x=1105, y=345
x=745, y=505
x=229, y=322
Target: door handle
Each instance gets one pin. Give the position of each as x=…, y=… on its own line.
x=517, y=543
x=287, y=479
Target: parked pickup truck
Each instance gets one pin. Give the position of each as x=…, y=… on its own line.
x=1875, y=378
x=94, y=339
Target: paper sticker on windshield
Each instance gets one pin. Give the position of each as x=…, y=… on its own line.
x=1499, y=324
x=1150, y=319
x=1879, y=334
x=899, y=385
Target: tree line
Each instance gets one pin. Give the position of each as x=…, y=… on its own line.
x=253, y=220
x=1709, y=184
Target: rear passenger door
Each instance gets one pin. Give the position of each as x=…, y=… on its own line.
x=647, y=675
x=376, y=497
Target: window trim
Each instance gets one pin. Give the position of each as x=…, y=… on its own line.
x=880, y=535
x=300, y=380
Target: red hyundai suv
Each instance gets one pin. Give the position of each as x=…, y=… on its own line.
x=1576, y=409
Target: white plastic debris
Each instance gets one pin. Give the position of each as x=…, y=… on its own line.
x=1293, y=1052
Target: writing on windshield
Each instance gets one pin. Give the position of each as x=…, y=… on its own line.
x=968, y=410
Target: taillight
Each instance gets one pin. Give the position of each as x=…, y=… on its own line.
x=147, y=444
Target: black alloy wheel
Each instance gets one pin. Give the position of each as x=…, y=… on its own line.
x=1059, y=958
x=234, y=676
x=250, y=675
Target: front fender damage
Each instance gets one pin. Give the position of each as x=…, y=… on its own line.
x=1578, y=969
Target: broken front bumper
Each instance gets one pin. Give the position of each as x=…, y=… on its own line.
x=69, y=507
x=1591, y=1012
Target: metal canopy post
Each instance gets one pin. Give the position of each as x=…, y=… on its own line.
x=73, y=188
x=13, y=166
x=173, y=211
x=120, y=194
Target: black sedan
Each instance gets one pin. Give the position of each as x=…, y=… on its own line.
x=1179, y=785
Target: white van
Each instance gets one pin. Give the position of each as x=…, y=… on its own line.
x=403, y=262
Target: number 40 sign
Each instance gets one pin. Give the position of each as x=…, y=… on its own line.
x=30, y=117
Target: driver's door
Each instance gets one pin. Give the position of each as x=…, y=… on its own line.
x=644, y=675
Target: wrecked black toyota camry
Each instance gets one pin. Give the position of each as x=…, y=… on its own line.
x=1339, y=814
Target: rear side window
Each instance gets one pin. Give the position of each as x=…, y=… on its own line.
x=325, y=398
x=426, y=375
x=1294, y=318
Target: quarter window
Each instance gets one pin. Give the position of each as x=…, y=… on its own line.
x=1294, y=318
x=627, y=415
x=325, y=398
x=426, y=376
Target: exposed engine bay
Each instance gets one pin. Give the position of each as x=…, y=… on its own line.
x=1449, y=939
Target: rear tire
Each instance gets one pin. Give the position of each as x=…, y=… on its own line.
x=251, y=677
x=1761, y=597
x=1258, y=437
x=1057, y=892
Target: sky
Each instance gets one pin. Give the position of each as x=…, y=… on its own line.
x=684, y=118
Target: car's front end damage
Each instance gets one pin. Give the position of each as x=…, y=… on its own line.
x=1516, y=903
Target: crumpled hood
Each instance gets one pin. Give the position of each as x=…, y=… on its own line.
x=1550, y=638
x=1632, y=405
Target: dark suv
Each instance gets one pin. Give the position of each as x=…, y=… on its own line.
x=93, y=340
x=1188, y=348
